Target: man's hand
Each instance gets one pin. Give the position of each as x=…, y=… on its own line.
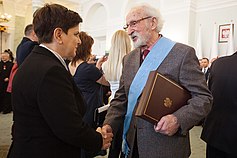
x=107, y=135
x=167, y=125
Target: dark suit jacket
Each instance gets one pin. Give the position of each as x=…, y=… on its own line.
x=207, y=73
x=5, y=70
x=24, y=49
x=220, y=127
x=182, y=66
x=48, y=111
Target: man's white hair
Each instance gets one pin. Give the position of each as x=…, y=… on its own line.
x=148, y=10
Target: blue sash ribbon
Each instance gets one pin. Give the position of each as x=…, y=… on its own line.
x=153, y=60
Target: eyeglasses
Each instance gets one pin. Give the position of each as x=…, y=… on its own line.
x=134, y=23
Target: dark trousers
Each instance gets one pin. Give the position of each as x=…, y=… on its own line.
x=115, y=148
x=212, y=152
x=135, y=153
x=2, y=96
x=7, y=105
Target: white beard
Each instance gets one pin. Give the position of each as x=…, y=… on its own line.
x=141, y=41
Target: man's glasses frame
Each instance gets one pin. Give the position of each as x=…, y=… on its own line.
x=134, y=23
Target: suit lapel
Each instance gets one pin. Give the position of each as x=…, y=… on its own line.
x=134, y=64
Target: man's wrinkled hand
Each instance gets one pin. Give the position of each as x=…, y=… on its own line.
x=167, y=125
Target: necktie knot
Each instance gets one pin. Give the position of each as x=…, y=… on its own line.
x=145, y=53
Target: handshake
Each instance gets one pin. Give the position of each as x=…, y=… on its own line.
x=107, y=135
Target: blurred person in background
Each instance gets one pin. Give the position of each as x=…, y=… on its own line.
x=120, y=46
x=220, y=126
x=27, y=44
x=5, y=70
x=89, y=79
x=205, y=67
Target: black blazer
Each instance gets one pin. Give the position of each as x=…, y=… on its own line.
x=48, y=111
x=220, y=127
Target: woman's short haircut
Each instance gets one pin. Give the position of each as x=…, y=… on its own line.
x=52, y=16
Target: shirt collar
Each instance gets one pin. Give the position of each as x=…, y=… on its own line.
x=142, y=49
x=57, y=55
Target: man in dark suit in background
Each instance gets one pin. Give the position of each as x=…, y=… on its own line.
x=27, y=44
x=47, y=105
x=220, y=127
x=205, y=67
x=23, y=50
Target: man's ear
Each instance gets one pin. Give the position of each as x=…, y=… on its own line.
x=33, y=36
x=154, y=23
x=57, y=35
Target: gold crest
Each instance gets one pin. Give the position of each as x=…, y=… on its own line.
x=167, y=102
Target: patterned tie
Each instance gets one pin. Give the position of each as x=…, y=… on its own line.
x=144, y=54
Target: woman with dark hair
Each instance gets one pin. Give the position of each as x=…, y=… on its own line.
x=89, y=79
x=48, y=107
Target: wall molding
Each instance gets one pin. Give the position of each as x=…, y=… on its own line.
x=206, y=5
x=195, y=5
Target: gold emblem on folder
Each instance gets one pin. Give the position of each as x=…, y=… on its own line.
x=167, y=102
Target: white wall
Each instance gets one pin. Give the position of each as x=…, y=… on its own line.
x=176, y=28
x=220, y=16
x=182, y=18
x=103, y=17
x=8, y=36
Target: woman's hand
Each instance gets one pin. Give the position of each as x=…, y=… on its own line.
x=101, y=61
